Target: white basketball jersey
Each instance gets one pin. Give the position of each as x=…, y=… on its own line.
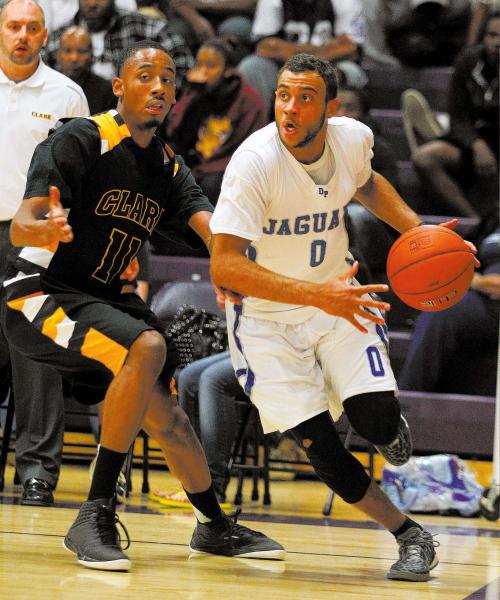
x=296, y=227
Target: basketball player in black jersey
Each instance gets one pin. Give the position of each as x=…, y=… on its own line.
x=64, y=306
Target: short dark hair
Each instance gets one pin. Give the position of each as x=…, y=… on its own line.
x=128, y=52
x=361, y=95
x=298, y=63
x=225, y=47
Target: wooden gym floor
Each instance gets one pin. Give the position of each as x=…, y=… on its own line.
x=339, y=557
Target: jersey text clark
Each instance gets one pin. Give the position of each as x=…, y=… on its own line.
x=143, y=211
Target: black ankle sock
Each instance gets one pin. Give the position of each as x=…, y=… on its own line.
x=107, y=469
x=405, y=526
x=205, y=502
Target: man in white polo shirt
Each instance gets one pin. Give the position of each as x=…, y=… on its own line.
x=33, y=97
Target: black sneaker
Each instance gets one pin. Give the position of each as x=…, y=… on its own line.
x=416, y=556
x=223, y=536
x=399, y=451
x=94, y=538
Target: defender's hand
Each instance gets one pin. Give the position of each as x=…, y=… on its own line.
x=60, y=230
x=131, y=271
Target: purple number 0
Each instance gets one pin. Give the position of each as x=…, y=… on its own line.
x=375, y=360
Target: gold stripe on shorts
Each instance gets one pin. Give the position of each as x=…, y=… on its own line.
x=100, y=347
x=18, y=303
x=49, y=326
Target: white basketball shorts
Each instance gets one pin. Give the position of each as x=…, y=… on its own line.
x=294, y=372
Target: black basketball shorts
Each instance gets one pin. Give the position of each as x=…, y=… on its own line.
x=87, y=339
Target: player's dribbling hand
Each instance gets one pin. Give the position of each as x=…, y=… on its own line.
x=451, y=225
x=58, y=221
x=339, y=297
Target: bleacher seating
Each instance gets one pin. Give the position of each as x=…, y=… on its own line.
x=386, y=84
x=165, y=269
x=450, y=423
x=391, y=126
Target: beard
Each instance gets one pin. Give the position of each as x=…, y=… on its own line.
x=150, y=124
x=97, y=20
x=312, y=132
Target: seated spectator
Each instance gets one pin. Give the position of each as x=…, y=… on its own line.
x=151, y=8
x=215, y=114
x=59, y=12
x=416, y=33
x=463, y=332
x=112, y=29
x=467, y=156
x=480, y=11
x=74, y=59
x=377, y=15
x=354, y=103
x=200, y=20
x=420, y=123
x=329, y=29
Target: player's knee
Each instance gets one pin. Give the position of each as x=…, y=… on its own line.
x=374, y=416
x=333, y=464
x=150, y=349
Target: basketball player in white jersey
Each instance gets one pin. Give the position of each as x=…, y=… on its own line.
x=307, y=341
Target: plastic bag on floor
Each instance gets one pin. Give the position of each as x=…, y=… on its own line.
x=440, y=483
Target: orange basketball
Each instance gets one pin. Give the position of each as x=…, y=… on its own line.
x=430, y=267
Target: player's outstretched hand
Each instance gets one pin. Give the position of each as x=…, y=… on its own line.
x=341, y=298
x=451, y=225
x=58, y=222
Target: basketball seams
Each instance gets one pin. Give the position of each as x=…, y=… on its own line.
x=424, y=258
x=430, y=291
x=430, y=268
x=410, y=235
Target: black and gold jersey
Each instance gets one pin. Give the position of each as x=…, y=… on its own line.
x=117, y=194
